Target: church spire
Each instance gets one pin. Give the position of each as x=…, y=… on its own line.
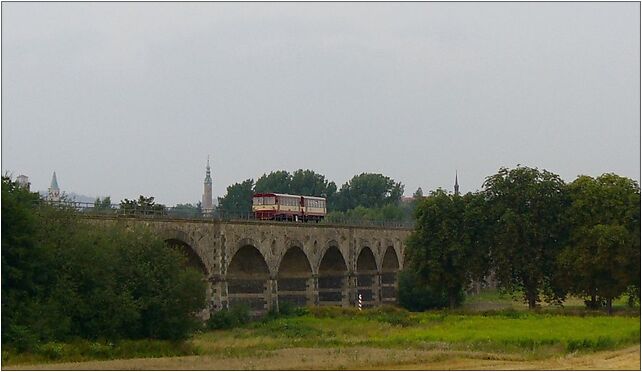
x=456, y=184
x=54, y=182
x=54, y=190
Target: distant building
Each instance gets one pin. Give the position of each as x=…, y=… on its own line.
x=54, y=190
x=23, y=181
x=456, y=184
x=206, y=203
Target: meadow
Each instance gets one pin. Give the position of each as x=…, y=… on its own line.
x=383, y=338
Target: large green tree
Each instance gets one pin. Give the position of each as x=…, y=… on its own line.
x=601, y=259
x=276, y=181
x=439, y=250
x=527, y=207
x=238, y=199
x=308, y=182
x=63, y=277
x=300, y=182
x=24, y=262
x=368, y=190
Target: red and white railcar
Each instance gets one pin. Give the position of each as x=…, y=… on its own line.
x=271, y=206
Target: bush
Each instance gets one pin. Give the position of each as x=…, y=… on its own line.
x=416, y=296
x=392, y=315
x=64, y=278
x=236, y=316
x=333, y=311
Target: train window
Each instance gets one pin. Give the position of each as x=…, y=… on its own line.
x=256, y=201
x=271, y=200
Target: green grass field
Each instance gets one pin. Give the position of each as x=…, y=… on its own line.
x=512, y=333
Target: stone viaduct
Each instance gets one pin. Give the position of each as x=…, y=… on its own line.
x=262, y=264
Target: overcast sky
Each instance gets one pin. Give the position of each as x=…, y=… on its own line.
x=124, y=99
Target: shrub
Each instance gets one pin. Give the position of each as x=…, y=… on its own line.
x=236, y=316
x=392, y=315
x=64, y=278
x=415, y=296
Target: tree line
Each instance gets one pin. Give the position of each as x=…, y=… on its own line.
x=63, y=278
x=364, y=196
x=538, y=236
x=367, y=196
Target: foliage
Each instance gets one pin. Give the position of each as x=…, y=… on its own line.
x=531, y=333
x=277, y=182
x=416, y=295
x=601, y=259
x=377, y=196
x=527, y=206
x=143, y=206
x=368, y=190
x=308, y=182
x=441, y=249
x=24, y=264
x=229, y=318
x=187, y=210
x=238, y=199
x=102, y=205
x=300, y=182
x=88, y=281
x=388, y=212
x=79, y=350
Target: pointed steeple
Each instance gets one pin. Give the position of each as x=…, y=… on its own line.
x=54, y=190
x=456, y=184
x=54, y=182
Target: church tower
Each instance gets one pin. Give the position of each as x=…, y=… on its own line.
x=206, y=204
x=456, y=184
x=54, y=191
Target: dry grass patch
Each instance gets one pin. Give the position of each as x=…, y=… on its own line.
x=360, y=358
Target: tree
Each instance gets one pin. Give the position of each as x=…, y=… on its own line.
x=53, y=288
x=237, y=200
x=142, y=206
x=439, y=249
x=186, y=210
x=24, y=269
x=368, y=190
x=416, y=295
x=476, y=224
x=102, y=205
x=601, y=259
x=277, y=182
x=526, y=206
x=308, y=182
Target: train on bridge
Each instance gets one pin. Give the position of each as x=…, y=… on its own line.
x=285, y=207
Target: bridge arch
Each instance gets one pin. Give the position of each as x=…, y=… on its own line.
x=248, y=280
x=186, y=245
x=333, y=276
x=389, y=275
x=367, y=277
x=294, y=277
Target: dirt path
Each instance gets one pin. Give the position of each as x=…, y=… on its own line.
x=366, y=359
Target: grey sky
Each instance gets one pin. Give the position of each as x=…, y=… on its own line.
x=125, y=99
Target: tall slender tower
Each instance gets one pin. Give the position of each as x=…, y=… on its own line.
x=456, y=184
x=54, y=191
x=206, y=204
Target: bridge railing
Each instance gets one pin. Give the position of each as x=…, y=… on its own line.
x=160, y=211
